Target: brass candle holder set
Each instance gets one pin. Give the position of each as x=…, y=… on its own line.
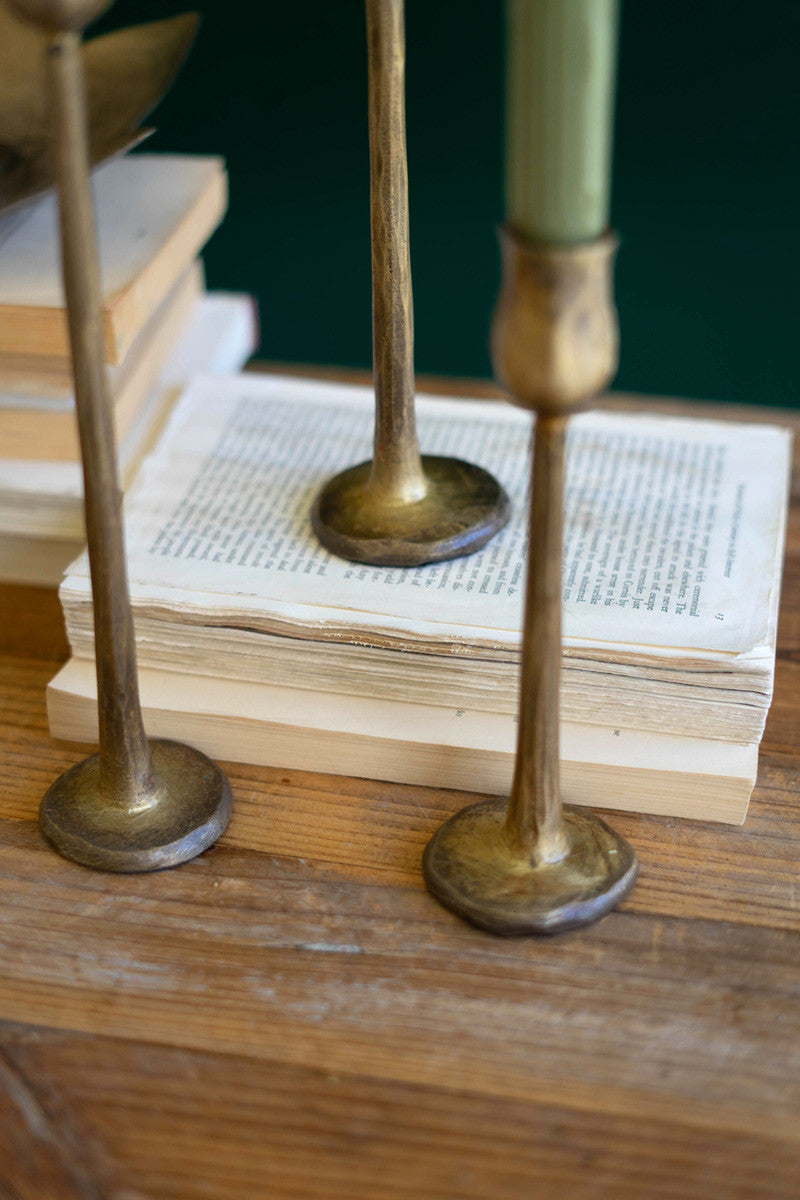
x=518, y=867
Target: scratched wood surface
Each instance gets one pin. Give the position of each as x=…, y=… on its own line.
x=292, y=1016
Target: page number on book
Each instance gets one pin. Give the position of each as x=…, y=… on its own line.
x=720, y=616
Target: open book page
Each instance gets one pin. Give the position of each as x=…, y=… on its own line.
x=673, y=526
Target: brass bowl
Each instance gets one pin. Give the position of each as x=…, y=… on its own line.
x=127, y=73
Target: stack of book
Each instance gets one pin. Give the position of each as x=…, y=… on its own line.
x=258, y=645
x=154, y=215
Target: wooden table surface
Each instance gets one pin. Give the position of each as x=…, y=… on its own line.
x=291, y=1015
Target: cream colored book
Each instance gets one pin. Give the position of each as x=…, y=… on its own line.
x=673, y=552
x=41, y=503
x=34, y=379
x=295, y=728
x=38, y=428
x=154, y=215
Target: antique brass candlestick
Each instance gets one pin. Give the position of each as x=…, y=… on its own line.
x=133, y=806
x=400, y=509
x=529, y=865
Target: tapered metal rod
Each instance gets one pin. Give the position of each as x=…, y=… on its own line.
x=125, y=760
x=535, y=824
x=396, y=465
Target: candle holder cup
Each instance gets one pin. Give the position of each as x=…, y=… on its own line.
x=400, y=509
x=135, y=805
x=530, y=865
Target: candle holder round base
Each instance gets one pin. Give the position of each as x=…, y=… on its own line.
x=461, y=508
x=472, y=868
x=181, y=814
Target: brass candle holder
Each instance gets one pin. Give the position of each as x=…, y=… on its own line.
x=400, y=509
x=530, y=865
x=134, y=806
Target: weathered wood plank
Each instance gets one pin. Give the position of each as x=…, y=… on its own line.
x=689, y=869
x=31, y=624
x=40, y=1159
x=177, y=1123
x=640, y=1015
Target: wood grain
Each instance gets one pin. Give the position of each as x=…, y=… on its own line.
x=292, y=1015
x=309, y=1133
x=306, y=968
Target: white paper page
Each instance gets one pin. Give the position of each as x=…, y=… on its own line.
x=672, y=526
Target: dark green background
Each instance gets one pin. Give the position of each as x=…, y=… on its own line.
x=705, y=181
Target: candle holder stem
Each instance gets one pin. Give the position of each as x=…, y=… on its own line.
x=125, y=763
x=534, y=825
x=529, y=865
x=400, y=509
x=133, y=806
x=396, y=473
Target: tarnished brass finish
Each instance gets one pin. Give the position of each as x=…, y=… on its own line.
x=530, y=866
x=183, y=809
x=555, y=337
x=508, y=895
x=126, y=75
x=399, y=509
x=124, y=809
x=461, y=508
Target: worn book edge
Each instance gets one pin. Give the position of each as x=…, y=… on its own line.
x=468, y=750
x=41, y=511
x=40, y=328
x=39, y=433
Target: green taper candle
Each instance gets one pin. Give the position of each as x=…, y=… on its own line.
x=562, y=57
